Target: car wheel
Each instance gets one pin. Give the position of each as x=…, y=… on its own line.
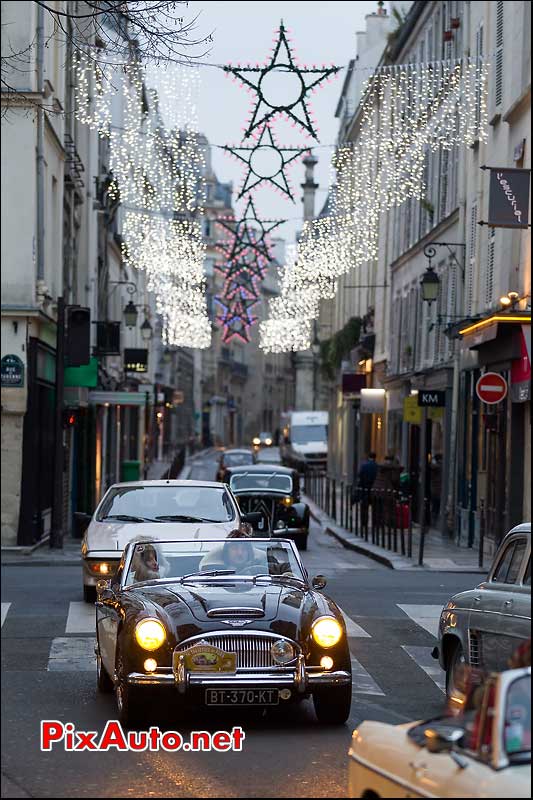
x=455, y=662
x=130, y=702
x=332, y=706
x=103, y=681
x=89, y=594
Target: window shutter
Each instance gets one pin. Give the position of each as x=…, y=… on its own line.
x=471, y=260
x=489, y=282
x=443, y=183
x=442, y=298
x=452, y=303
x=498, y=80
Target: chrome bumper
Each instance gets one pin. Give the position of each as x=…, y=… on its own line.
x=302, y=679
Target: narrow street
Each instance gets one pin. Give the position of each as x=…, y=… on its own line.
x=48, y=670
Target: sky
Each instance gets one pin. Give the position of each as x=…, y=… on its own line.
x=244, y=32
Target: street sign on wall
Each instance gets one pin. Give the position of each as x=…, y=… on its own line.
x=12, y=370
x=491, y=388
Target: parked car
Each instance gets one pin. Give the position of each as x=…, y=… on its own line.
x=233, y=458
x=273, y=492
x=483, y=626
x=485, y=752
x=169, y=509
x=268, y=455
x=232, y=623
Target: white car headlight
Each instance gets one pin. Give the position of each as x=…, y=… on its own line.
x=282, y=652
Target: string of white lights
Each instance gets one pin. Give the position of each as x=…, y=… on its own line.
x=405, y=114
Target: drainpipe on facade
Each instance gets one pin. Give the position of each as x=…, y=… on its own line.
x=40, y=144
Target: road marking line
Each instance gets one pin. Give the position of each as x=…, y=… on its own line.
x=423, y=658
x=72, y=654
x=81, y=618
x=5, y=609
x=354, y=630
x=362, y=681
x=425, y=616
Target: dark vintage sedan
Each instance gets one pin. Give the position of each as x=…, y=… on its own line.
x=274, y=492
x=233, y=622
x=233, y=458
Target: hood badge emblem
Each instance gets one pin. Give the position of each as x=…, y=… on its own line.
x=236, y=623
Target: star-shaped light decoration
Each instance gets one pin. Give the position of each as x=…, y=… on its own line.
x=260, y=80
x=247, y=235
x=243, y=285
x=235, y=318
x=266, y=163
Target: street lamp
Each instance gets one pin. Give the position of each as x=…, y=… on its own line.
x=430, y=285
x=146, y=330
x=130, y=315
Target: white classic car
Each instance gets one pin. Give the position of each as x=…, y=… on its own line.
x=165, y=510
x=484, y=752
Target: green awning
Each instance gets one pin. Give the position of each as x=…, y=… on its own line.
x=87, y=375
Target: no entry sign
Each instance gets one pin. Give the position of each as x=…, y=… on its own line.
x=491, y=388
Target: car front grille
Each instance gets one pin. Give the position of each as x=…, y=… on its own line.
x=253, y=652
x=475, y=649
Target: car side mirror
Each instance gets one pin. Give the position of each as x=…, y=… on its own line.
x=442, y=741
x=104, y=590
x=319, y=582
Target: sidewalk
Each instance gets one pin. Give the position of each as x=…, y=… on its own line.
x=440, y=554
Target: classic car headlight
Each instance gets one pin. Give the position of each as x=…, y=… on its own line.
x=326, y=631
x=282, y=652
x=287, y=501
x=257, y=440
x=268, y=442
x=150, y=634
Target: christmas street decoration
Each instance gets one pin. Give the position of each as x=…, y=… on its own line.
x=261, y=80
x=266, y=163
x=235, y=318
x=245, y=235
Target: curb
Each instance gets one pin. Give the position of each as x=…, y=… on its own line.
x=396, y=562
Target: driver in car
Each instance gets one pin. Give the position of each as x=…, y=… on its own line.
x=236, y=554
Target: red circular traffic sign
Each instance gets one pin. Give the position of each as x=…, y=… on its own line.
x=491, y=388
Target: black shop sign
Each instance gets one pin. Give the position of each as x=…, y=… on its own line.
x=509, y=198
x=431, y=399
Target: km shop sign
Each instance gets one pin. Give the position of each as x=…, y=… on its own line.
x=431, y=399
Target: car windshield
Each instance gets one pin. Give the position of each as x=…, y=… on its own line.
x=263, y=482
x=215, y=560
x=167, y=503
x=238, y=459
x=303, y=434
x=265, y=435
x=270, y=456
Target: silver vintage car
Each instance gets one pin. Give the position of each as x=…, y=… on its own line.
x=482, y=627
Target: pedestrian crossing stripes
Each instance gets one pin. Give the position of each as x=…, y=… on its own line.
x=5, y=609
x=423, y=658
x=424, y=615
x=73, y=651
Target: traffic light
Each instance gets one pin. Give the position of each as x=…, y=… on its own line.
x=70, y=417
x=78, y=336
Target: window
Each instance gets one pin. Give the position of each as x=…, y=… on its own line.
x=517, y=730
x=500, y=573
x=516, y=562
x=471, y=265
x=527, y=576
x=479, y=89
x=489, y=280
x=498, y=78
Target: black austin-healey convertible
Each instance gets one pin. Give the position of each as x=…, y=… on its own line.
x=273, y=492
x=232, y=622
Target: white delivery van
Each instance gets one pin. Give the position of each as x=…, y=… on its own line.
x=305, y=440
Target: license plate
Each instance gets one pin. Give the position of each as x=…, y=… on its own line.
x=242, y=697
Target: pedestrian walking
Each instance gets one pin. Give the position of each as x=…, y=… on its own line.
x=366, y=479
x=435, y=486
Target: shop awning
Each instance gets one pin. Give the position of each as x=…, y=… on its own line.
x=118, y=398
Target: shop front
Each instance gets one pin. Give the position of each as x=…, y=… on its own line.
x=492, y=487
